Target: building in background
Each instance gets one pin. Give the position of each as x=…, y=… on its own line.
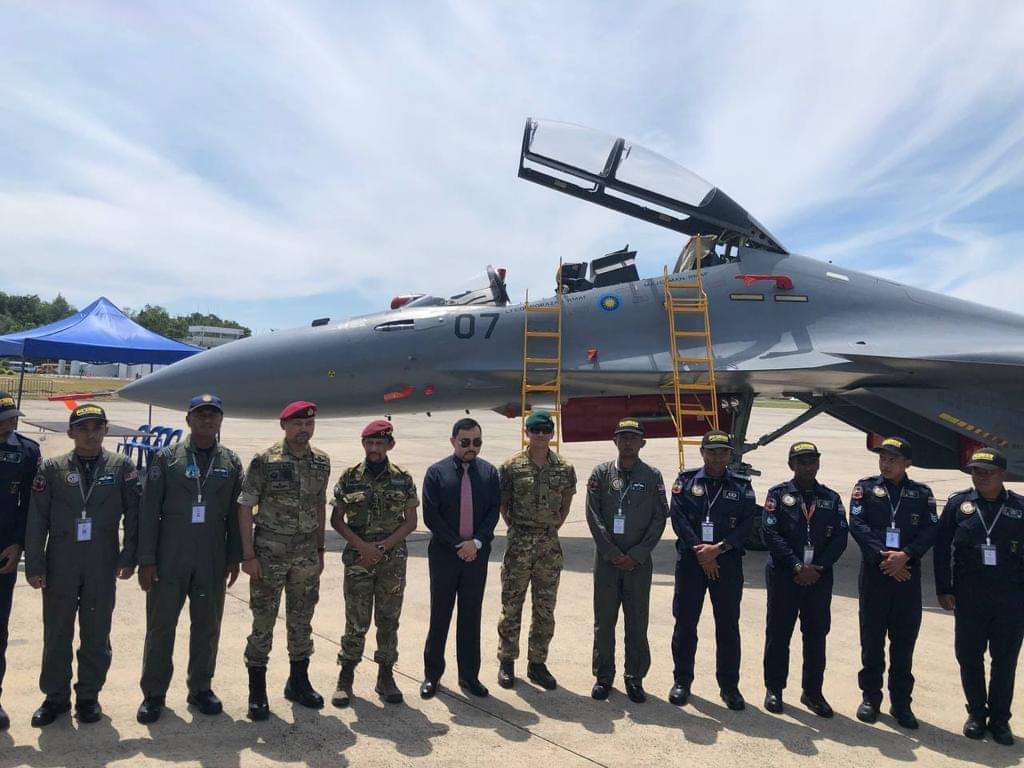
x=209, y=336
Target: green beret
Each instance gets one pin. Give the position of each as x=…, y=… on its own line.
x=539, y=419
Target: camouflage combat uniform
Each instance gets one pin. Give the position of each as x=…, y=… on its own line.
x=287, y=489
x=76, y=546
x=374, y=508
x=192, y=554
x=533, y=497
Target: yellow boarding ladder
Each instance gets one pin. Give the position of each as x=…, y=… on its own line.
x=686, y=304
x=542, y=360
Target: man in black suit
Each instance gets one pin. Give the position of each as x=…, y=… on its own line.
x=461, y=496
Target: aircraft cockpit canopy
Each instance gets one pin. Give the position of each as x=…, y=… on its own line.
x=628, y=178
x=484, y=289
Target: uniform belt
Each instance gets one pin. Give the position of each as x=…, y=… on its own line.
x=378, y=536
x=263, y=533
x=520, y=528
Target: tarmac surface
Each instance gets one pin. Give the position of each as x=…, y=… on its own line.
x=525, y=725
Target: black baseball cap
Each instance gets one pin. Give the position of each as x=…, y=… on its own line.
x=8, y=406
x=632, y=426
x=897, y=446
x=87, y=412
x=716, y=438
x=803, y=449
x=987, y=458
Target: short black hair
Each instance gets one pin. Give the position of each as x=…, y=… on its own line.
x=465, y=425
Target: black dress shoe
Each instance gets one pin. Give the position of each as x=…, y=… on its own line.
x=600, y=691
x=428, y=688
x=149, y=710
x=974, y=728
x=507, y=674
x=733, y=699
x=773, y=701
x=904, y=717
x=817, y=704
x=88, y=710
x=539, y=674
x=474, y=688
x=867, y=712
x=49, y=711
x=679, y=694
x=5, y=721
x=206, y=702
x=635, y=690
x=1001, y=734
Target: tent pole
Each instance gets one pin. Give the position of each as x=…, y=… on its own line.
x=151, y=405
x=21, y=379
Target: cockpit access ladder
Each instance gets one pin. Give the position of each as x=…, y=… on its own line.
x=693, y=369
x=542, y=361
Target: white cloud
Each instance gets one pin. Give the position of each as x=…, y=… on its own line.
x=230, y=151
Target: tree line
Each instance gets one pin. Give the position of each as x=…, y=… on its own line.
x=20, y=313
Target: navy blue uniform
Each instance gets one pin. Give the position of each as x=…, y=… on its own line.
x=794, y=521
x=19, y=458
x=989, y=598
x=728, y=505
x=889, y=607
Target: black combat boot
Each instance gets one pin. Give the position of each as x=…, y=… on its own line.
x=259, y=707
x=299, y=689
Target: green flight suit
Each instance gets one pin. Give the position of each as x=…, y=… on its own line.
x=374, y=508
x=637, y=499
x=192, y=550
x=80, y=565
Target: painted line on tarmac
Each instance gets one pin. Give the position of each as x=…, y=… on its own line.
x=460, y=699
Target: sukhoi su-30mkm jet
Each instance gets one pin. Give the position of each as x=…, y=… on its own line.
x=883, y=357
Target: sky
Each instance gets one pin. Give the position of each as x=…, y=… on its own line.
x=277, y=162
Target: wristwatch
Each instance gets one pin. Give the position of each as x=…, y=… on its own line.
x=725, y=546
x=797, y=567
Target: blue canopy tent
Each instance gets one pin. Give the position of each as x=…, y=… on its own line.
x=100, y=333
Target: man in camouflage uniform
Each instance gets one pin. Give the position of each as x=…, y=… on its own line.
x=537, y=487
x=288, y=484
x=626, y=512
x=374, y=510
x=73, y=553
x=19, y=460
x=189, y=546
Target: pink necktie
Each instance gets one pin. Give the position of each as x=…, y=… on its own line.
x=466, y=506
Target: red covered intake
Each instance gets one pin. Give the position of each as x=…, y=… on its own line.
x=594, y=418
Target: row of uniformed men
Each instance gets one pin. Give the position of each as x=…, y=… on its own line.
x=189, y=546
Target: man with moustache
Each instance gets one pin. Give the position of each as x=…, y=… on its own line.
x=73, y=553
x=288, y=484
x=461, y=496
x=626, y=511
x=712, y=513
x=189, y=547
x=893, y=520
x=979, y=574
x=374, y=511
x=19, y=460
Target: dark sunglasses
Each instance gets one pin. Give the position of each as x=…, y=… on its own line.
x=465, y=442
x=542, y=430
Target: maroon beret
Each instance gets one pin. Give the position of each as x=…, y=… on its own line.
x=300, y=409
x=378, y=428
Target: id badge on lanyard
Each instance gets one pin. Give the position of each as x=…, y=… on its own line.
x=707, y=528
x=83, y=528
x=199, y=508
x=892, y=538
x=989, y=556
x=619, y=523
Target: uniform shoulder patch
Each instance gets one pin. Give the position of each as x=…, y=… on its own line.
x=858, y=492
x=154, y=471
x=39, y=483
x=677, y=486
x=769, y=503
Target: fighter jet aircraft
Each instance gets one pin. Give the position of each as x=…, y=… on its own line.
x=882, y=357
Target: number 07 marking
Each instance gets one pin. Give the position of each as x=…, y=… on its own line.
x=465, y=325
